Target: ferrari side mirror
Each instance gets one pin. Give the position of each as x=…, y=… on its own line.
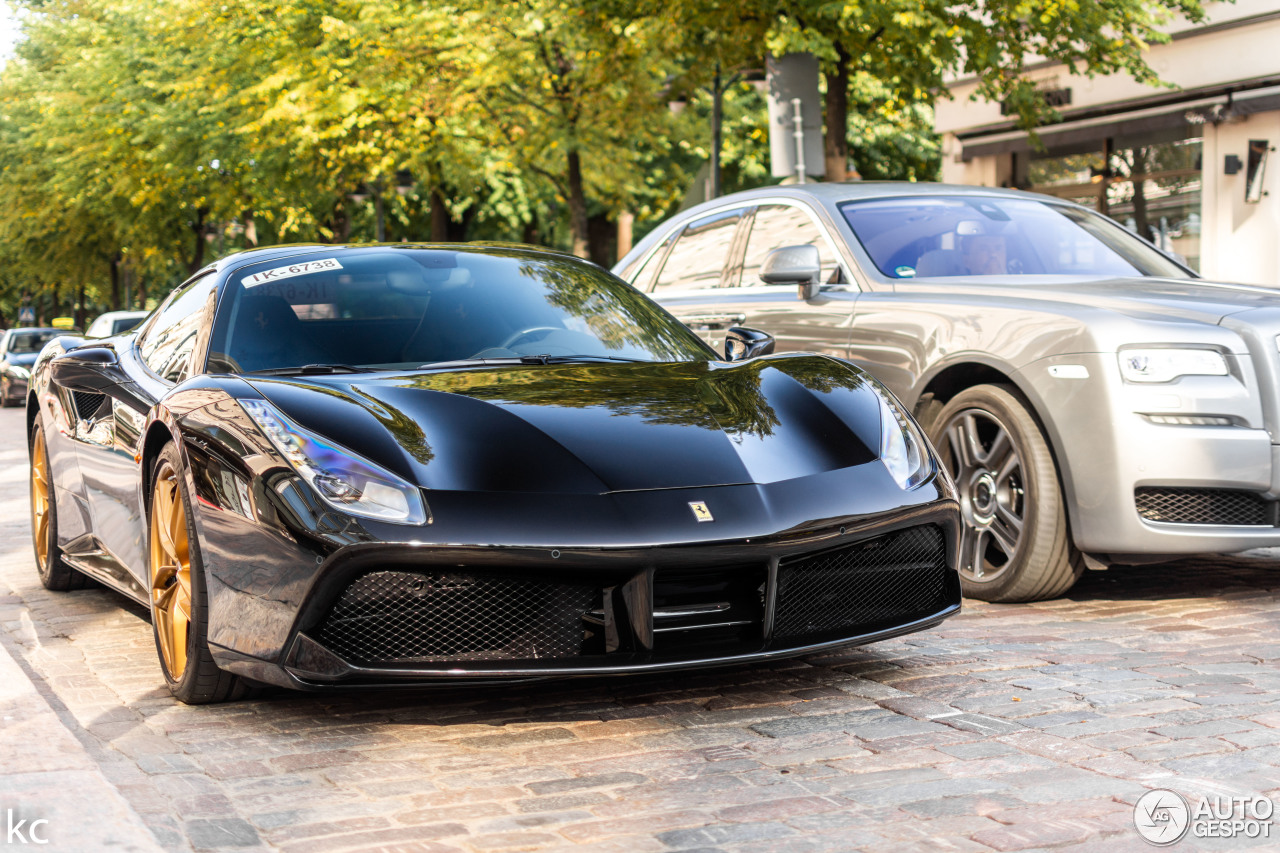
x=741, y=344
x=93, y=369
x=799, y=265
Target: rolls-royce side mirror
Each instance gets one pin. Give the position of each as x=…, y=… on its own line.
x=741, y=344
x=799, y=265
x=93, y=369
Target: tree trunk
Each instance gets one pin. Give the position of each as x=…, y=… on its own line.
x=115, y=282
x=836, y=140
x=578, y=228
x=602, y=234
x=80, y=310
x=530, y=233
x=1140, y=223
x=441, y=220
x=250, y=230
x=626, y=222
x=197, y=256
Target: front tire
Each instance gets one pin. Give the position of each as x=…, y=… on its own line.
x=1014, y=540
x=54, y=572
x=179, y=602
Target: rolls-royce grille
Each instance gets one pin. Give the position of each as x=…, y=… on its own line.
x=877, y=583
x=1202, y=506
x=394, y=616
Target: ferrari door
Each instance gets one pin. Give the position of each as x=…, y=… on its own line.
x=107, y=431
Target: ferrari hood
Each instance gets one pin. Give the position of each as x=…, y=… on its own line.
x=596, y=428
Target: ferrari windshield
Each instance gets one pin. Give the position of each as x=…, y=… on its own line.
x=976, y=236
x=397, y=308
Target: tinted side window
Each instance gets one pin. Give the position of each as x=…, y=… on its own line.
x=643, y=280
x=167, y=346
x=699, y=255
x=778, y=225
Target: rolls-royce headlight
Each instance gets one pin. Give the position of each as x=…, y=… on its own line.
x=903, y=449
x=1165, y=364
x=345, y=480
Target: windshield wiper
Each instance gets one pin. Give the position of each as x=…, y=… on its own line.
x=312, y=369
x=526, y=359
x=561, y=359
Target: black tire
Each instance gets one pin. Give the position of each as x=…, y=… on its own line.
x=1015, y=542
x=54, y=572
x=6, y=401
x=200, y=682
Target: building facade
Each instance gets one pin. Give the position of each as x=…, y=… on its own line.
x=1186, y=167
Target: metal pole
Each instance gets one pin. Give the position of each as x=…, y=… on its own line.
x=797, y=104
x=716, y=96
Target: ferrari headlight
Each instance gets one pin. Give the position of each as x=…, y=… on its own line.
x=344, y=480
x=20, y=372
x=1167, y=364
x=903, y=449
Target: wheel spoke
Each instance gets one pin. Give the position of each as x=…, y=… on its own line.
x=163, y=511
x=1001, y=448
x=1009, y=518
x=1005, y=538
x=1011, y=464
x=961, y=449
x=977, y=552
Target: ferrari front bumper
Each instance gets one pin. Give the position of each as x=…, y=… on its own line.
x=394, y=614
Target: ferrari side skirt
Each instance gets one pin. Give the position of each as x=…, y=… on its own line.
x=87, y=555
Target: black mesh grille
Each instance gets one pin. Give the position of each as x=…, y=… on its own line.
x=87, y=403
x=1202, y=506
x=863, y=587
x=393, y=616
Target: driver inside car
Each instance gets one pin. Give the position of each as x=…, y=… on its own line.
x=985, y=254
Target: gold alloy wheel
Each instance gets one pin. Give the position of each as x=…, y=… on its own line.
x=170, y=571
x=40, y=501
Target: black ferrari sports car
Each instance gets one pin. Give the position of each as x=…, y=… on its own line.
x=399, y=464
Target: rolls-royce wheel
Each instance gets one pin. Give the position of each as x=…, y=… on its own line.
x=1014, y=541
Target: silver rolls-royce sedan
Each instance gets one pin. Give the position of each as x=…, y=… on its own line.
x=1095, y=401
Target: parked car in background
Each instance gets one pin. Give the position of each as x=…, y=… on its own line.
x=1094, y=400
x=381, y=465
x=114, y=323
x=18, y=351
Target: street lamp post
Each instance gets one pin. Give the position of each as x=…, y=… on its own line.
x=717, y=90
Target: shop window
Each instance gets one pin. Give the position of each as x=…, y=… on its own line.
x=1151, y=184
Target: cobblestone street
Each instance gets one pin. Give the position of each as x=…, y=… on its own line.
x=1011, y=727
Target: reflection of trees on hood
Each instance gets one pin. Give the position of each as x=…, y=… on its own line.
x=406, y=431
x=617, y=314
x=681, y=394
x=822, y=375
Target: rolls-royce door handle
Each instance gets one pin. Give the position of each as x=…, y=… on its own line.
x=710, y=322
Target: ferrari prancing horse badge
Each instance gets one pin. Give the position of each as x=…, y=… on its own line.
x=700, y=511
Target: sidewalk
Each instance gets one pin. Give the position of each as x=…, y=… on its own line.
x=46, y=774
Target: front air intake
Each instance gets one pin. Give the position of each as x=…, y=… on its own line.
x=868, y=586
x=393, y=617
